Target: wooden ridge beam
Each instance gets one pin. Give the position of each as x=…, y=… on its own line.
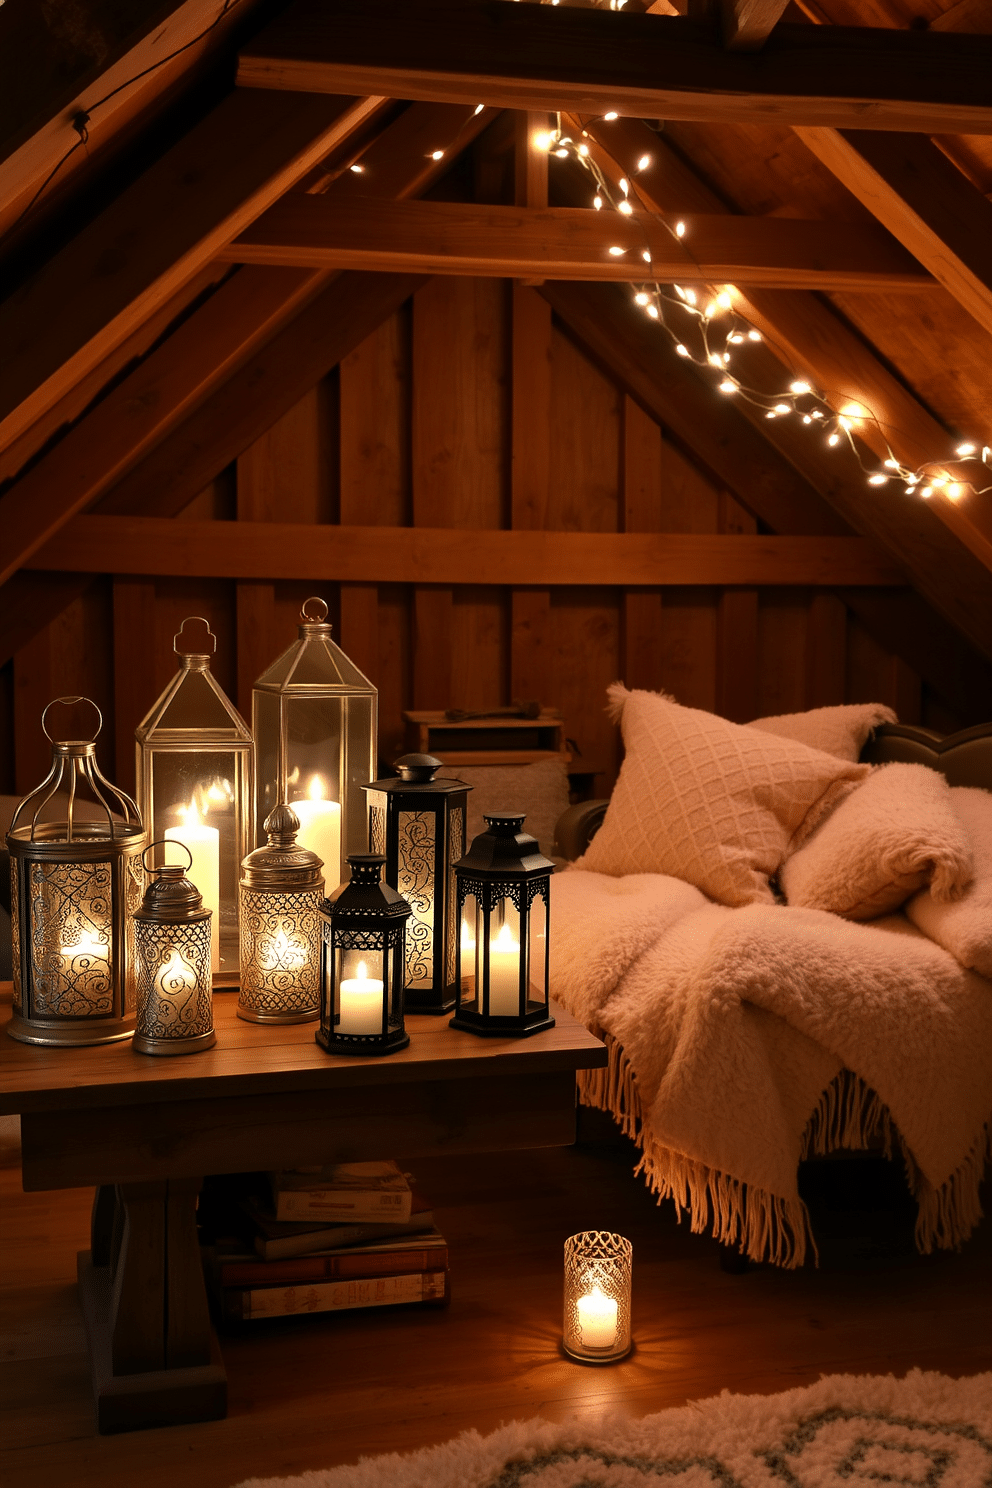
x=542, y=57
x=624, y=341
x=157, y=234
x=444, y=555
x=747, y=24
x=571, y=243
x=924, y=201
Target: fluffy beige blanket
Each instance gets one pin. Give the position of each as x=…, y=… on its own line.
x=729, y=1030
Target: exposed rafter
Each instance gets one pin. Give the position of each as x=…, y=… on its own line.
x=155, y=236
x=544, y=57
x=747, y=24
x=924, y=201
x=571, y=243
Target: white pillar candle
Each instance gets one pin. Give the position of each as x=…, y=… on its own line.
x=361, y=1003
x=504, y=975
x=597, y=1319
x=204, y=871
x=320, y=831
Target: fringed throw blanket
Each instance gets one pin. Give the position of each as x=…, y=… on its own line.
x=729, y=1033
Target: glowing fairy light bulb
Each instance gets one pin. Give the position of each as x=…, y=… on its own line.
x=680, y=229
x=437, y=154
x=597, y=202
x=683, y=351
x=653, y=311
x=711, y=309
x=624, y=185
x=642, y=299
x=964, y=450
x=625, y=208
x=616, y=252
x=583, y=149
x=833, y=439
x=477, y=110
x=611, y=116
x=954, y=491
x=562, y=154
x=799, y=388
x=724, y=300
x=926, y=490
x=891, y=464
x=854, y=413
x=644, y=162
x=783, y=408
x=645, y=254
x=542, y=140
x=715, y=360
x=728, y=385
x=358, y=169
x=878, y=480
x=754, y=335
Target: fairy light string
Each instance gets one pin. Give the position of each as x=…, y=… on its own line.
x=707, y=329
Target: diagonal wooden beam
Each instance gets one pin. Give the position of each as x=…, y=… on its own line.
x=924, y=201
x=605, y=319
x=810, y=339
x=541, y=57
x=155, y=236
x=747, y=24
x=222, y=335
x=571, y=243
x=457, y=555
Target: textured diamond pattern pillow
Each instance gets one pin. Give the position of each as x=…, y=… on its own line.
x=842, y=731
x=708, y=801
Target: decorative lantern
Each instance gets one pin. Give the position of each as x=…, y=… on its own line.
x=75, y=859
x=504, y=893
x=172, y=955
x=596, y=1325
x=361, y=995
x=281, y=893
x=419, y=823
x=195, y=772
x=314, y=720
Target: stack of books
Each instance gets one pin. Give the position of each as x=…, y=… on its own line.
x=326, y=1239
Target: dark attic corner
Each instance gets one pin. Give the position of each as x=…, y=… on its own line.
x=495, y=742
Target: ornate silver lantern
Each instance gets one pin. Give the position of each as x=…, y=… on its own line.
x=281, y=892
x=75, y=862
x=504, y=898
x=196, y=783
x=361, y=994
x=314, y=720
x=419, y=824
x=596, y=1324
x=172, y=958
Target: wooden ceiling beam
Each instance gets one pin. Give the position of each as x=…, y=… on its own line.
x=923, y=200
x=655, y=66
x=747, y=24
x=571, y=243
x=627, y=344
x=221, y=335
x=442, y=555
x=811, y=340
x=155, y=236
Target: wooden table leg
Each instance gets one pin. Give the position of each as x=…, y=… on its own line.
x=154, y=1355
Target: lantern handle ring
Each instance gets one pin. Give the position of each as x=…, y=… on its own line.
x=179, y=633
x=320, y=611
x=69, y=701
x=166, y=842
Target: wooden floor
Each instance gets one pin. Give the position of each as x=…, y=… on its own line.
x=314, y=1392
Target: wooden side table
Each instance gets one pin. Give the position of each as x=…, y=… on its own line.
x=144, y=1131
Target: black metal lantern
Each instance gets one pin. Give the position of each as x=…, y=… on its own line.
x=419, y=824
x=75, y=858
x=504, y=900
x=362, y=958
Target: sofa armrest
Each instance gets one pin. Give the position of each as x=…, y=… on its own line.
x=577, y=826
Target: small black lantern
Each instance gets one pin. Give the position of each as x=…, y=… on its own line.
x=362, y=956
x=419, y=824
x=504, y=901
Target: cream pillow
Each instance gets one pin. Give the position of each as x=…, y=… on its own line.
x=895, y=833
x=842, y=731
x=964, y=927
x=708, y=801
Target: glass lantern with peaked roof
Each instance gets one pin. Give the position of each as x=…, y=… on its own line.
x=196, y=785
x=314, y=721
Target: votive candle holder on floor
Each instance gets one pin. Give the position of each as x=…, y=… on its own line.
x=596, y=1326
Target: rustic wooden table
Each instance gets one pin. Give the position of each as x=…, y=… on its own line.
x=145, y=1130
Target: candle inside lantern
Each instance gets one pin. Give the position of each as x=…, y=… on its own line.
x=88, y=957
x=176, y=982
x=597, y=1319
x=504, y=975
x=280, y=953
x=320, y=830
x=203, y=844
x=361, y=1003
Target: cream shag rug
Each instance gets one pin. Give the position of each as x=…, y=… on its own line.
x=924, y=1431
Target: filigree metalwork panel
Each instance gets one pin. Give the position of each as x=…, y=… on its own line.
x=280, y=951
x=366, y=940
x=15, y=925
x=134, y=887
x=377, y=824
x=416, y=851
x=174, y=983
x=456, y=844
x=71, y=914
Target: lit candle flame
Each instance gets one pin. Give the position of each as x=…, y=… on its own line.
x=317, y=791
x=505, y=941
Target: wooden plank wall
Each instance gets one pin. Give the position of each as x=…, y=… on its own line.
x=468, y=408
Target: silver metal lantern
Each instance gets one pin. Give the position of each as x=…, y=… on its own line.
x=596, y=1321
x=196, y=783
x=75, y=859
x=504, y=901
x=419, y=824
x=172, y=960
x=314, y=721
x=361, y=994
x=282, y=888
